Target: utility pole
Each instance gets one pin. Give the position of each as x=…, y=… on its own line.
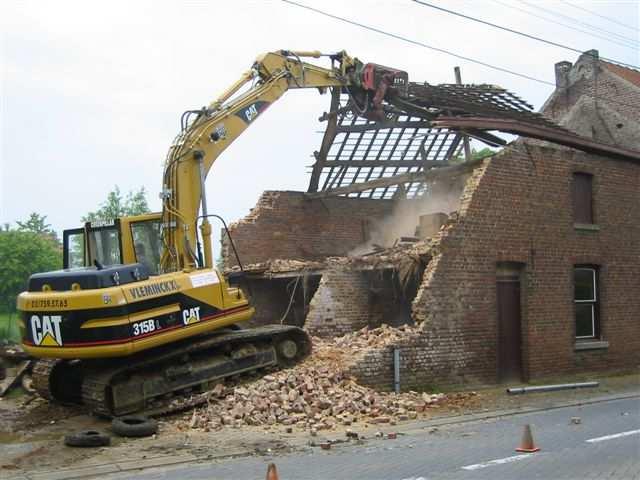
x=465, y=139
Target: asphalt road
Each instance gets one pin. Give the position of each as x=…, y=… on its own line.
x=604, y=445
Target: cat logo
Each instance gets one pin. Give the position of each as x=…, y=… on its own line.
x=251, y=112
x=46, y=331
x=191, y=315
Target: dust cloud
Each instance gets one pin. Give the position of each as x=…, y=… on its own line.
x=405, y=217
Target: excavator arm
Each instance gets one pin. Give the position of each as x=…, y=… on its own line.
x=216, y=126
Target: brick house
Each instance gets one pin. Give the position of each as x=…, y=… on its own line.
x=534, y=273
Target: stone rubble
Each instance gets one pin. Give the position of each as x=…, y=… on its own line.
x=315, y=395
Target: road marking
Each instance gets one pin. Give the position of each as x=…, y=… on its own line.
x=499, y=461
x=615, y=435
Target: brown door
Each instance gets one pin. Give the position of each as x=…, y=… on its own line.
x=509, y=338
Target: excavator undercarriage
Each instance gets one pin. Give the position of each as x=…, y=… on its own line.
x=148, y=381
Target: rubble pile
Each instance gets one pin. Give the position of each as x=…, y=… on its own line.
x=315, y=395
x=278, y=265
x=311, y=397
x=367, y=338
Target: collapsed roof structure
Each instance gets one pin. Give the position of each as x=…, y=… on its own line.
x=422, y=132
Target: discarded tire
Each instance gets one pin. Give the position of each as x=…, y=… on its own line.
x=134, y=426
x=87, y=438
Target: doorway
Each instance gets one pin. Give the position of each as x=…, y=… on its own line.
x=509, y=325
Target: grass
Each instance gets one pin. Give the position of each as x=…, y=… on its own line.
x=8, y=327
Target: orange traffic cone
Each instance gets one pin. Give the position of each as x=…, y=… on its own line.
x=527, y=445
x=272, y=473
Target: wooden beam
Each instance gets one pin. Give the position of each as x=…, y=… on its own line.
x=327, y=140
x=421, y=176
x=382, y=125
x=540, y=132
x=385, y=163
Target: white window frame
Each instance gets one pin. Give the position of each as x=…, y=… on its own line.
x=592, y=302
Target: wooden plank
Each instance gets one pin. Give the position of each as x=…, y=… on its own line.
x=384, y=125
x=421, y=176
x=555, y=135
x=14, y=379
x=385, y=163
x=327, y=140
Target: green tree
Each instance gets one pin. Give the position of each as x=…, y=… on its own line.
x=23, y=253
x=37, y=224
x=135, y=203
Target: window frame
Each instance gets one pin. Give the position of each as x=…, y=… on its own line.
x=66, y=235
x=159, y=251
x=575, y=198
x=594, y=302
x=98, y=226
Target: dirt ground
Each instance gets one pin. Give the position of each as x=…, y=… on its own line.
x=32, y=429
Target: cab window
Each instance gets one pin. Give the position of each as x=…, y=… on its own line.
x=74, y=248
x=147, y=243
x=104, y=245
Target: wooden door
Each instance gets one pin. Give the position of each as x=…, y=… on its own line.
x=509, y=330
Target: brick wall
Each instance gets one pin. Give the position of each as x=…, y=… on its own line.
x=340, y=304
x=289, y=225
x=517, y=208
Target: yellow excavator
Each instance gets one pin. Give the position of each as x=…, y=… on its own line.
x=138, y=313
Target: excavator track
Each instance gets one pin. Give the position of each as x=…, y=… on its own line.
x=41, y=374
x=150, y=381
x=58, y=380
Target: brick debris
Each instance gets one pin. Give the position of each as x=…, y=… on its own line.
x=317, y=394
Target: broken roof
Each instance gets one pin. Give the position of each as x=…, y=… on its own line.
x=423, y=131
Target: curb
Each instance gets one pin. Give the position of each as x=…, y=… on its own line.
x=474, y=417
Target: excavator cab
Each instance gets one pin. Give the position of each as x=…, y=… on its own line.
x=125, y=240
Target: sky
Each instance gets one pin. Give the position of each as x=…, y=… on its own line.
x=91, y=92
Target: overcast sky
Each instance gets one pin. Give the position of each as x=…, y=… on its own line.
x=92, y=91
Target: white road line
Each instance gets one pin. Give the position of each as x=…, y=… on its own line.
x=499, y=461
x=615, y=435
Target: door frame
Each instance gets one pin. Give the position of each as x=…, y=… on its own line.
x=511, y=272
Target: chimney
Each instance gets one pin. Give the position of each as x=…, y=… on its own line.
x=562, y=74
x=593, y=55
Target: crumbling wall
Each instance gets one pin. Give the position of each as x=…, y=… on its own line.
x=438, y=351
x=517, y=208
x=340, y=304
x=349, y=298
x=289, y=225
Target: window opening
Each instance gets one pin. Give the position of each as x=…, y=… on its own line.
x=582, y=198
x=586, y=302
x=104, y=245
x=147, y=243
x=74, y=248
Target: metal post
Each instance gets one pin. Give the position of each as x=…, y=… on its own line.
x=465, y=139
x=396, y=369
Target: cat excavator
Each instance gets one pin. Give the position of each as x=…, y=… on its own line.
x=139, y=314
